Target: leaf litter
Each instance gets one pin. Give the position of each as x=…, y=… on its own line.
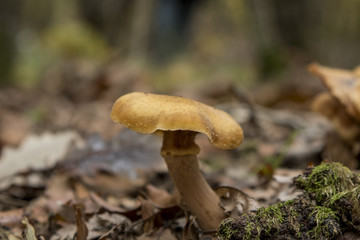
x=89, y=187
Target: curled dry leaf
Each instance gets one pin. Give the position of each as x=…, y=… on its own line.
x=235, y=202
x=341, y=105
x=343, y=84
x=327, y=105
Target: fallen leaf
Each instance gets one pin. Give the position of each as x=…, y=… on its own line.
x=328, y=106
x=343, y=84
x=160, y=197
x=55, y=200
x=161, y=234
x=6, y=235
x=235, y=202
x=29, y=231
x=148, y=213
x=11, y=217
x=81, y=229
x=123, y=227
x=102, y=203
x=106, y=182
x=190, y=230
x=36, y=153
x=66, y=232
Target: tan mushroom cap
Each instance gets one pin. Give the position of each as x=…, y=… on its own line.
x=148, y=113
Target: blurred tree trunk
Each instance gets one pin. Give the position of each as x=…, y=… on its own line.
x=140, y=31
x=10, y=12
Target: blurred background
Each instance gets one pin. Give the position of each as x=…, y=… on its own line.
x=64, y=62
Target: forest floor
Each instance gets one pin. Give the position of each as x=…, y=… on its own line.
x=68, y=172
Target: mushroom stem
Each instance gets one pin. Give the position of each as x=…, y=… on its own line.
x=184, y=169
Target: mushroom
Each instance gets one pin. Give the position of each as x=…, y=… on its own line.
x=179, y=120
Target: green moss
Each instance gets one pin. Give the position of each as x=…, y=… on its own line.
x=336, y=191
x=326, y=181
x=271, y=217
x=226, y=232
x=249, y=231
x=295, y=219
x=352, y=194
x=326, y=223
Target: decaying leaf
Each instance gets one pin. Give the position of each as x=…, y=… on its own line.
x=160, y=197
x=343, y=84
x=235, y=202
x=29, y=231
x=161, y=234
x=36, y=153
x=11, y=217
x=341, y=104
x=102, y=203
x=123, y=227
x=190, y=230
x=81, y=229
x=6, y=235
x=327, y=105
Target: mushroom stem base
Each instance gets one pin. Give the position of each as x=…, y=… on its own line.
x=198, y=196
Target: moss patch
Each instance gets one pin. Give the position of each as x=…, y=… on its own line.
x=295, y=219
x=329, y=207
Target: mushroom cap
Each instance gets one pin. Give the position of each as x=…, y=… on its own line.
x=149, y=113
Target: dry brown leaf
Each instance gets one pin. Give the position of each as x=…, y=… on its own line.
x=160, y=197
x=11, y=217
x=122, y=227
x=327, y=105
x=148, y=211
x=112, y=183
x=66, y=232
x=81, y=229
x=161, y=234
x=54, y=201
x=342, y=104
x=190, y=230
x=102, y=203
x=343, y=84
